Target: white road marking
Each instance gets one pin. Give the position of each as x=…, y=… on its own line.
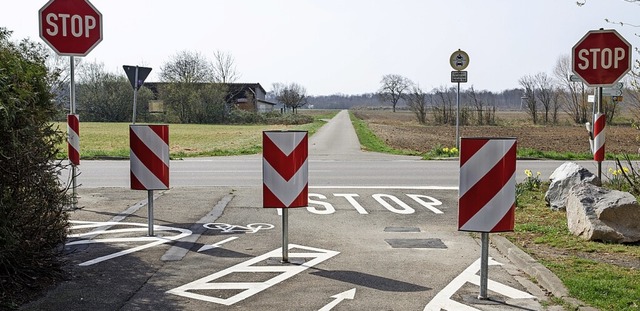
x=443, y=299
x=216, y=245
x=388, y=187
x=350, y=294
x=313, y=257
x=138, y=228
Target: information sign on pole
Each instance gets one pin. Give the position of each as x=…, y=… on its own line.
x=458, y=76
x=136, y=76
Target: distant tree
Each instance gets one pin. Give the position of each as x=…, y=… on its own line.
x=224, y=68
x=417, y=100
x=292, y=96
x=33, y=221
x=529, y=84
x=484, y=115
x=393, y=89
x=107, y=97
x=191, y=92
x=544, y=92
x=59, y=79
x=572, y=94
x=443, y=105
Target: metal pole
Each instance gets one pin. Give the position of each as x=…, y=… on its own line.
x=599, y=101
x=484, y=266
x=150, y=209
x=458, y=118
x=285, y=235
x=72, y=108
x=135, y=95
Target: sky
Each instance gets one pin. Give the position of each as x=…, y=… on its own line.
x=345, y=46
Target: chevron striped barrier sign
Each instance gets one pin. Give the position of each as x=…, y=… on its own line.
x=149, y=157
x=73, y=138
x=487, y=189
x=598, y=136
x=285, y=169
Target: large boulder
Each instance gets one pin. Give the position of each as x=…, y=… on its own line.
x=562, y=179
x=600, y=214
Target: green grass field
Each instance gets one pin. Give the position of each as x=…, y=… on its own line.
x=111, y=140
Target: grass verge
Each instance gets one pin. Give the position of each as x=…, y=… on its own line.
x=603, y=275
x=370, y=142
x=111, y=140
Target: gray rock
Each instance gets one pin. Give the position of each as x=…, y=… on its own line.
x=599, y=214
x=562, y=179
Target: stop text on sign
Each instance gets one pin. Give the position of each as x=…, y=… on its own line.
x=65, y=24
x=603, y=58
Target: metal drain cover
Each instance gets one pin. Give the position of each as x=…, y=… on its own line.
x=401, y=229
x=416, y=243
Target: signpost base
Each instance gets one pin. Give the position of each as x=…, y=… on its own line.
x=285, y=235
x=150, y=209
x=484, y=266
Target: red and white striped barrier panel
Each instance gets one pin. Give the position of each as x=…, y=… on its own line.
x=285, y=171
x=598, y=136
x=487, y=189
x=73, y=138
x=149, y=157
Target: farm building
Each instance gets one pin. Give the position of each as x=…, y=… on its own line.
x=244, y=96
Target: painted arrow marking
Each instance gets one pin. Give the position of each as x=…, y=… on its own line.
x=216, y=245
x=350, y=294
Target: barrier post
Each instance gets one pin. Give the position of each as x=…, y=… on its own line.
x=487, y=192
x=149, y=161
x=285, y=175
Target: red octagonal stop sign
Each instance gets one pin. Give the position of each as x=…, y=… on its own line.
x=601, y=57
x=70, y=27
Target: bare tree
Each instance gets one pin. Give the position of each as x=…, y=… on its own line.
x=393, y=88
x=443, y=103
x=292, y=96
x=59, y=77
x=418, y=103
x=106, y=97
x=544, y=85
x=187, y=67
x=573, y=94
x=224, y=68
x=484, y=115
x=190, y=92
x=529, y=85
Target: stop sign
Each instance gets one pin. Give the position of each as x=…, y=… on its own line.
x=601, y=57
x=70, y=27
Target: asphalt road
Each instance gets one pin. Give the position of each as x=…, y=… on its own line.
x=380, y=233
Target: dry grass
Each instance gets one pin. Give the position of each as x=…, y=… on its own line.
x=400, y=130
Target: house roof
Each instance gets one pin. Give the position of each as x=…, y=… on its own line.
x=234, y=88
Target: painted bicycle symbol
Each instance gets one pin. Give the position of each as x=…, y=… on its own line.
x=227, y=228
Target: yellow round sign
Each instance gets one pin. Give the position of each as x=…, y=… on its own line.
x=459, y=60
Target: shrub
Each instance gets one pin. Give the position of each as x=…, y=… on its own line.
x=33, y=222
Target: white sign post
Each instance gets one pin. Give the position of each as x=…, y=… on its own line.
x=459, y=60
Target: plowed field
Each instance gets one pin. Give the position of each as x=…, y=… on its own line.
x=401, y=131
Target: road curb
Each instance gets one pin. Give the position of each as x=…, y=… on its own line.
x=545, y=278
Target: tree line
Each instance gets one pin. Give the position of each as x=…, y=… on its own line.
x=543, y=96
x=194, y=89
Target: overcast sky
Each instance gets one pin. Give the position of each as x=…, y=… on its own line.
x=345, y=46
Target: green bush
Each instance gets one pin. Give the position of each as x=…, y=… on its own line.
x=238, y=116
x=33, y=223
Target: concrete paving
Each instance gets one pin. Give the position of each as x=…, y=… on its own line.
x=354, y=248
x=343, y=250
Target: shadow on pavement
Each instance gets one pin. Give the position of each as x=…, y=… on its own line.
x=368, y=280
